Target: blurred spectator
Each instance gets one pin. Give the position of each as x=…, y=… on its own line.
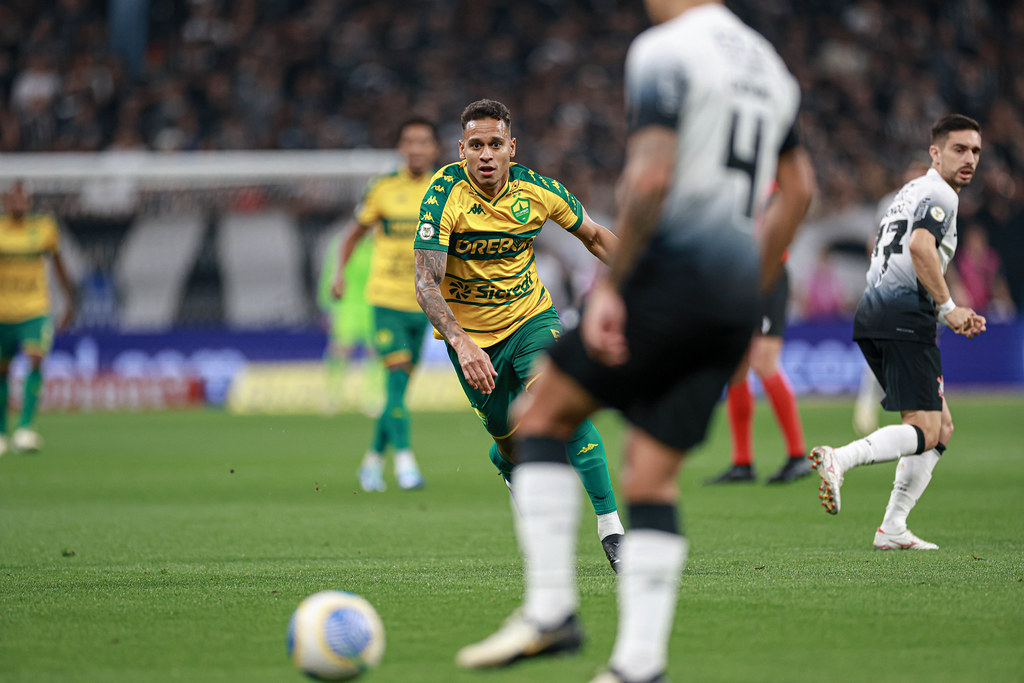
x=979, y=277
x=824, y=293
x=304, y=74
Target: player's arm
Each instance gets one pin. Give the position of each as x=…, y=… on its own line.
x=924, y=254
x=599, y=240
x=650, y=162
x=70, y=293
x=795, y=177
x=353, y=233
x=476, y=364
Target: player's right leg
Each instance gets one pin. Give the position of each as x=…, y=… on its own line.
x=740, y=409
x=547, y=497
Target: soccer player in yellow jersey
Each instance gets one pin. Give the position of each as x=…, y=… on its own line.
x=26, y=239
x=390, y=209
x=476, y=279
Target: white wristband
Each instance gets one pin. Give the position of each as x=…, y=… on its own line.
x=947, y=308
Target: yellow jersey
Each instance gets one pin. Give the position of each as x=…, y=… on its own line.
x=390, y=206
x=491, y=281
x=24, y=289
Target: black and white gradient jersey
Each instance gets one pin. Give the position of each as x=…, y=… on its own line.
x=733, y=103
x=895, y=304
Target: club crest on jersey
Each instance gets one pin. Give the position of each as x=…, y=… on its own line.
x=938, y=214
x=426, y=231
x=521, y=210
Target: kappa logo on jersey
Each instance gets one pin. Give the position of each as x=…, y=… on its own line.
x=426, y=231
x=477, y=209
x=586, y=449
x=938, y=213
x=521, y=210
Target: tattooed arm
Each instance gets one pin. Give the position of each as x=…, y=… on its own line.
x=476, y=364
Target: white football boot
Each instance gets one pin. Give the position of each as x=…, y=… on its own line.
x=905, y=541
x=24, y=440
x=407, y=472
x=824, y=460
x=519, y=639
x=371, y=473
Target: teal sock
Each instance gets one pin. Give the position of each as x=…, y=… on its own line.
x=503, y=465
x=33, y=385
x=3, y=403
x=394, y=407
x=380, y=433
x=586, y=454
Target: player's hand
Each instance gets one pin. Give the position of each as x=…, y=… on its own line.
x=959, y=319
x=338, y=288
x=476, y=365
x=603, y=328
x=975, y=326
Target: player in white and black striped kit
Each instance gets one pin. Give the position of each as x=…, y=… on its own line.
x=895, y=326
x=711, y=109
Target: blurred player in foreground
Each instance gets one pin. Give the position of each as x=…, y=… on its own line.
x=26, y=240
x=711, y=109
x=476, y=279
x=390, y=208
x=895, y=326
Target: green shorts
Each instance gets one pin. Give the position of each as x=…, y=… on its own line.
x=32, y=335
x=513, y=359
x=399, y=335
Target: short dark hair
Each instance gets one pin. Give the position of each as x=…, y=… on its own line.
x=486, y=109
x=416, y=121
x=951, y=123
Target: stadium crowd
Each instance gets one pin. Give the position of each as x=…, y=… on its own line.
x=308, y=74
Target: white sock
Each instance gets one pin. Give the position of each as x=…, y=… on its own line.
x=548, y=497
x=881, y=445
x=912, y=476
x=652, y=562
x=608, y=524
x=404, y=459
x=373, y=458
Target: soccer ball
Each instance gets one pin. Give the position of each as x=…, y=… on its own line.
x=335, y=636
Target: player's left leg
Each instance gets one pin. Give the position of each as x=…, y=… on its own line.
x=547, y=498
x=5, y=365
x=653, y=557
x=584, y=447
x=36, y=341
x=913, y=473
x=764, y=359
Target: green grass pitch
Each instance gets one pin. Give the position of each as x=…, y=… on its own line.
x=173, y=547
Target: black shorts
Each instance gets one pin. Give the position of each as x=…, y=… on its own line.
x=773, y=322
x=688, y=325
x=910, y=373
